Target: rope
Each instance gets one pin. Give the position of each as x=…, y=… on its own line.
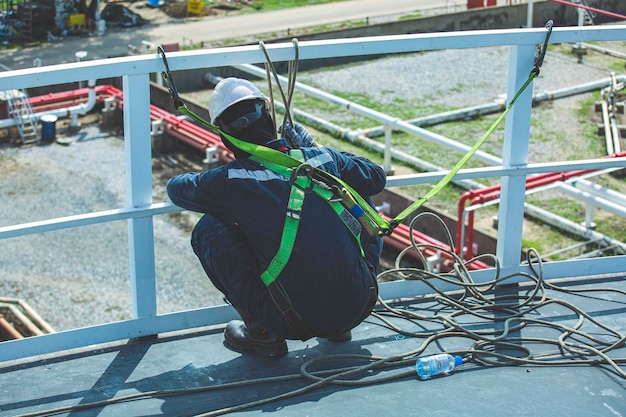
x=270, y=69
x=444, y=313
x=293, y=72
x=271, y=94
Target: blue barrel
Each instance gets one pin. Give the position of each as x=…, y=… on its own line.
x=48, y=127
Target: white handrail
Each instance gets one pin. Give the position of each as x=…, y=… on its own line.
x=140, y=209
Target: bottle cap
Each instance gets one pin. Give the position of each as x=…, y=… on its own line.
x=458, y=361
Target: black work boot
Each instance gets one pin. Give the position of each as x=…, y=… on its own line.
x=340, y=337
x=242, y=337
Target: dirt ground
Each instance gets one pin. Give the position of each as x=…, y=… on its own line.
x=178, y=9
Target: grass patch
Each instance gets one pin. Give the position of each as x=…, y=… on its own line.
x=564, y=207
x=527, y=244
x=411, y=16
x=613, y=226
x=267, y=5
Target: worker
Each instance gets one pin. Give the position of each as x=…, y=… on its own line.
x=329, y=279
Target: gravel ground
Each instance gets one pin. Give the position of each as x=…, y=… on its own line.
x=79, y=277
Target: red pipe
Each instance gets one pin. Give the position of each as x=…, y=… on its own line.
x=183, y=130
x=532, y=182
x=401, y=239
x=493, y=192
x=9, y=330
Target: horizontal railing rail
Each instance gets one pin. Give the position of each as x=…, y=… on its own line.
x=139, y=209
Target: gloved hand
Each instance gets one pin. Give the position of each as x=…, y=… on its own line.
x=297, y=136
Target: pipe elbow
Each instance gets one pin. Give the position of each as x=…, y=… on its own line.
x=84, y=108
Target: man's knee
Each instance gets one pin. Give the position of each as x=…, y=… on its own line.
x=206, y=227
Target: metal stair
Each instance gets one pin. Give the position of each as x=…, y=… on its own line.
x=20, y=110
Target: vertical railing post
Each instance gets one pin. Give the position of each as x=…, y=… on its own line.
x=529, y=14
x=387, y=156
x=138, y=153
x=589, y=209
x=515, y=154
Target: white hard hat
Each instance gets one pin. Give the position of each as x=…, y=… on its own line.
x=230, y=91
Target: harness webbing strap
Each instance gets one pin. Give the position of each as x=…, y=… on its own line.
x=290, y=230
x=283, y=303
x=292, y=218
x=343, y=213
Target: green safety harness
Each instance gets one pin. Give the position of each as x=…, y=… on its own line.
x=356, y=214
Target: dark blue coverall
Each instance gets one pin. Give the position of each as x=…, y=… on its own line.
x=329, y=283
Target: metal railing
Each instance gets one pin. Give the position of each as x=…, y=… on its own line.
x=139, y=209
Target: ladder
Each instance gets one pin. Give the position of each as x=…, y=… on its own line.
x=20, y=110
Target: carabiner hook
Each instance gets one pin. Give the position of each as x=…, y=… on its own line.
x=389, y=229
x=541, y=50
x=169, y=81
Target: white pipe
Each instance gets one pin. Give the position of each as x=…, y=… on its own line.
x=387, y=156
x=500, y=105
x=73, y=111
x=385, y=119
x=604, y=50
x=610, y=150
x=571, y=227
x=603, y=192
x=596, y=201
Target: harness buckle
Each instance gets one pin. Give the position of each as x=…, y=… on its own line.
x=389, y=230
x=294, y=214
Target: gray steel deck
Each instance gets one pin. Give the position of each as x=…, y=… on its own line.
x=192, y=373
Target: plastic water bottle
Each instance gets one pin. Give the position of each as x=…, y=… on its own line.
x=440, y=364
